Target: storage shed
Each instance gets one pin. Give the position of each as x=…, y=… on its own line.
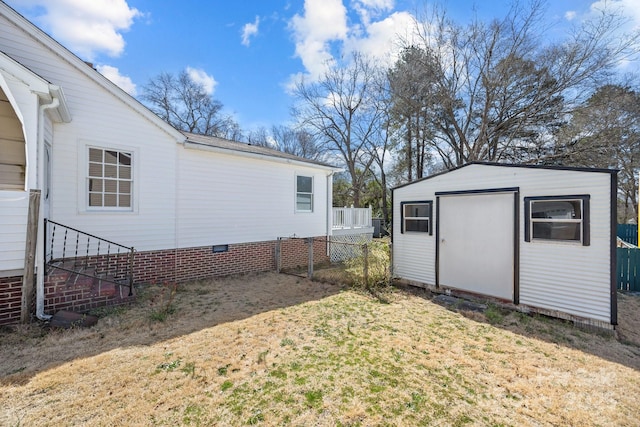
x=540, y=238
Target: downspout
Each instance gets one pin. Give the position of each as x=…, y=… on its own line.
x=55, y=103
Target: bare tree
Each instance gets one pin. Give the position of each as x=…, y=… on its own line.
x=287, y=139
x=338, y=110
x=605, y=132
x=501, y=92
x=381, y=142
x=186, y=105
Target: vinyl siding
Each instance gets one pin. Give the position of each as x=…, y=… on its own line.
x=220, y=198
x=225, y=199
x=99, y=118
x=14, y=206
x=560, y=276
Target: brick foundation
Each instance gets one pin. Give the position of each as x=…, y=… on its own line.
x=184, y=264
x=68, y=291
x=10, y=299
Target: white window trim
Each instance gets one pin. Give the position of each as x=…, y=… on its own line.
x=296, y=192
x=83, y=178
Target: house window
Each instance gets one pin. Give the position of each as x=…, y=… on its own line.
x=561, y=218
x=304, y=193
x=110, y=179
x=416, y=216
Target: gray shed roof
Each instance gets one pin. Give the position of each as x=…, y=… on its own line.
x=241, y=147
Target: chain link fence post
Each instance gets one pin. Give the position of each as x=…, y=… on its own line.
x=310, y=269
x=365, y=256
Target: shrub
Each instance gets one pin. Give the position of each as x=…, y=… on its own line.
x=162, y=303
x=371, y=268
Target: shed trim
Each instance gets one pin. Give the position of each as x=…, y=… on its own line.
x=586, y=215
x=488, y=190
x=516, y=247
x=437, y=257
x=516, y=232
x=613, y=257
x=413, y=202
x=510, y=165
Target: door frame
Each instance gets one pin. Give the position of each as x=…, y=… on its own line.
x=516, y=231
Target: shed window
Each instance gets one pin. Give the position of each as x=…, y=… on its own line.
x=416, y=216
x=557, y=218
x=304, y=193
x=110, y=179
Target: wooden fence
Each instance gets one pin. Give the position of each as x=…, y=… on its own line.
x=628, y=233
x=628, y=271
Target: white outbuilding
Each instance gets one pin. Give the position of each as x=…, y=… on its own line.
x=540, y=238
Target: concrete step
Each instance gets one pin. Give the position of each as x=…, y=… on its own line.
x=66, y=319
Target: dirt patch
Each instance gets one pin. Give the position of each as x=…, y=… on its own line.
x=282, y=350
x=629, y=318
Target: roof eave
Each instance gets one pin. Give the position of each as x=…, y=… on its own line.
x=53, y=45
x=229, y=151
x=547, y=167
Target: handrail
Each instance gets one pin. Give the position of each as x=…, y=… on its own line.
x=88, y=234
x=114, y=265
x=349, y=218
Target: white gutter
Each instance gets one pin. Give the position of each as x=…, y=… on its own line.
x=55, y=103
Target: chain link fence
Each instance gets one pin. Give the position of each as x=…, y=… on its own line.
x=360, y=259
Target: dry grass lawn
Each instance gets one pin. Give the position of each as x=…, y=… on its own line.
x=281, y=350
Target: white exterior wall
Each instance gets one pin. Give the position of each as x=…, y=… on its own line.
x=99, y=118
x=220, y=198
x=225, y=199
x=14, y=204
x=13, y=231
x=562, y=276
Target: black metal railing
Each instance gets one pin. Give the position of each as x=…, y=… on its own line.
x=84, y=254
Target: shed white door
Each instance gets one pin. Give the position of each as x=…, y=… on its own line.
x=476, y=243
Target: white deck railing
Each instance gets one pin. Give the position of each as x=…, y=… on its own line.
x=347, y=218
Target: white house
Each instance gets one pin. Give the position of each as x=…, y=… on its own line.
x=541, y=238
x=191, y=206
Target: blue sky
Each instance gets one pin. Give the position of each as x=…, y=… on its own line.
x=248, y=52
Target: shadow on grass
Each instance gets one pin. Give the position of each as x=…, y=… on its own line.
x=157, y=315
x=621, y=346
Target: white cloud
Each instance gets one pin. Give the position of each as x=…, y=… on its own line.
x=86, y=27
x=249, y=30
x=367, y=9
x=381, y=39
x=570, y=15
x=326, y=31
x=201, y=77
x=113, y=74
x=324, y=21
x=628, y=8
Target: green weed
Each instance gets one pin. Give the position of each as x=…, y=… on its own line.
x=192, y=415
x=255, y=418
x=169, y=366
x=189, y=368
x=161, y=304
x=493, y=314
x=313, y=398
